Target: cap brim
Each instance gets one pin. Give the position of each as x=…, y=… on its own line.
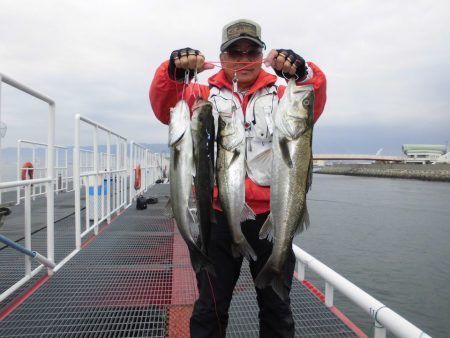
x=230, y=42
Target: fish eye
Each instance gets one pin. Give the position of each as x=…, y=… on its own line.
x=306, y=102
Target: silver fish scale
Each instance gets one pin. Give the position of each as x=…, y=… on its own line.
x=290, y=183
x=230, y=172
x=181, y=168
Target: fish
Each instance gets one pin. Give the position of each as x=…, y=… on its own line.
x=290, y=181
x=181, y=177
x=230, y=177
x=203, y=136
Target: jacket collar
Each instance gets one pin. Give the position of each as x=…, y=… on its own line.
x=264, y=79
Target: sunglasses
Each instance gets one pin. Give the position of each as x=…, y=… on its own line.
x=238, y=54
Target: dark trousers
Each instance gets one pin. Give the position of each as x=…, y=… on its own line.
x=210, y=314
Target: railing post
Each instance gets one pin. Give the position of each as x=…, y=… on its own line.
x=36, y=173
x=301, y=270
x=76, y=183
x=50, y=191
x=329, y=294
x=96, y=180
x=19, y=169
x=1, y=82
x=108, y=186
x=27, y=229
x=131, y=171
x=379, y=331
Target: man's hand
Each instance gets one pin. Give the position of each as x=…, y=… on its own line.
x=286, y=63
x=186, y=59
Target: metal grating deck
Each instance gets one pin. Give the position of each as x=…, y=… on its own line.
x=135, y=280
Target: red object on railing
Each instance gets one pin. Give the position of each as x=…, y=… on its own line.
x=137, y=177
x=27, y=170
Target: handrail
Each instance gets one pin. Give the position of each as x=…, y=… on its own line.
x=61, y=171
x=8, y=80
x=50, y=159
x=384, y=317
x=110, y=182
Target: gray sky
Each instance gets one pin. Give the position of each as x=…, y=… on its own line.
x=387, y=63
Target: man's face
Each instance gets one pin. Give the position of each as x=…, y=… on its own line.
x=242, y=51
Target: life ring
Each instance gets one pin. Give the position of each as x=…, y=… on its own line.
x=137, y=177
x=27, y=170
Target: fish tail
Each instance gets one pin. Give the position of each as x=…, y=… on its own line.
x=247, y=213
x=304, y=221
x=243, y=249
x=266, y=230
x=268, y=276
x=199, y=260
x=168, y=212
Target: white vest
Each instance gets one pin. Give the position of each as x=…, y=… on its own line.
x=258, y=126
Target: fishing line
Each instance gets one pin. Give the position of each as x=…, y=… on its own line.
x=220, y=64
x=215, y=304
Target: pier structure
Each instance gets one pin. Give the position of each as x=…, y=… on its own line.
x=116, y=271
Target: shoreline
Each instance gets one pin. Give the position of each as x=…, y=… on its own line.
x=424, y=172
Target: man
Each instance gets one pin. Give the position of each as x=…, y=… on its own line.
x=243, y=88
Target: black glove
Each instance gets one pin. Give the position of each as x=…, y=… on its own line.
x=294, y=59
x=179, y=73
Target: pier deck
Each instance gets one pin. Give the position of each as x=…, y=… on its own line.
x=135, y=280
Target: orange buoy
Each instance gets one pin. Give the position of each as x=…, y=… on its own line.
x=27, y=170
x=137, y=177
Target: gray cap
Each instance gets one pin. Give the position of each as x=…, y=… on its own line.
x=241, y=29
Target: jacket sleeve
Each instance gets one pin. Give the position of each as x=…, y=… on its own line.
x=319, y=82
x=165, y=93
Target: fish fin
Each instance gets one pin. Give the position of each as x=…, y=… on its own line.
x=247, y=213
x=266, y=230
x=168, y=212
x=310, y=175
x=236, y=154
x=268, y=276
x=176, y=157
x=193, y=215
x=193, y=169
x=213, y=218
x=283, y=143
x=199, y=260
x=304, y=222
x=243, y=249
x=279, y=287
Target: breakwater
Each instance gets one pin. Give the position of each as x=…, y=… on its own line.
x=428, y=172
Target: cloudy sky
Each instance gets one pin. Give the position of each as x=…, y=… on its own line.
x=387, y=63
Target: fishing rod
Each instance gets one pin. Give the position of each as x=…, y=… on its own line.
x=33, y=254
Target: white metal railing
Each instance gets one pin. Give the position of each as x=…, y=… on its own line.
x=384, y=318
x=150, y=165
x=47, y=181
x=105, y=186
x=61, y=167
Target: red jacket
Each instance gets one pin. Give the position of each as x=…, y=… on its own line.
x=165, y=93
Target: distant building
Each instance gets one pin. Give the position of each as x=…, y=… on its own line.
x=425, y=153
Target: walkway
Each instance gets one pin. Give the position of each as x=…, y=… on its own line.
x=135, y=280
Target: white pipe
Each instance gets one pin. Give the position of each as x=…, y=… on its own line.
x=18, y=171
x=108, y=186
x=96, y=180
x=14, y=184
x=1, y=82
x=21, y=282
x=50, y=189
x=65, y=260
x=76, y=183
x=27, y=219
x=132, y=173
x=26, y=89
